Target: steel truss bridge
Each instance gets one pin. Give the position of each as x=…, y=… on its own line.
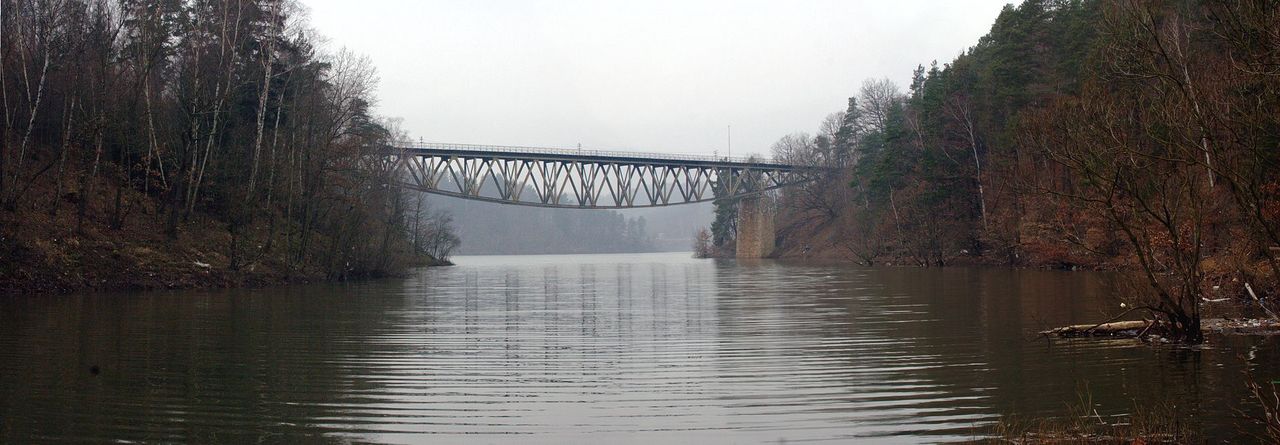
x=568, y=178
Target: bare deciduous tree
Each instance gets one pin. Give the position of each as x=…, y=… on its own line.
x=877, y=98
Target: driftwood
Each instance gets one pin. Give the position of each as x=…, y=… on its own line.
x=1140, y=328
x=1114, y=329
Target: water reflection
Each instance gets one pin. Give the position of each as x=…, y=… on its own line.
x=629, y=349
x=203, y=367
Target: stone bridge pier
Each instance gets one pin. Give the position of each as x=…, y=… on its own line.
x=755, y=228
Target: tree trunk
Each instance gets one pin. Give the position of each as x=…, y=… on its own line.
x=87, y=180
x=227, y=62
x=26, y=135
x=262, y=105
x=117, y=215
x=62, y=158
x=153, y=148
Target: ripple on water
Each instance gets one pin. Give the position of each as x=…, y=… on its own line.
x=628, y=349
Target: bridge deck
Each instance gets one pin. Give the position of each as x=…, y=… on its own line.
x=589, y=156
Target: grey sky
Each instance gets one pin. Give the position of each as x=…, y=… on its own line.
x=663, y=76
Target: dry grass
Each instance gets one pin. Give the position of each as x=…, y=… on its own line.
x=1082, y=424
x=42, y=252
x=1267, y=396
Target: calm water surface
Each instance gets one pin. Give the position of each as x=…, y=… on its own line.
x=653, y=348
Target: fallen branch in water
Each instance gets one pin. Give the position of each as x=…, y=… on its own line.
x=1140, y=328
x=1112, y=329
x=1108, y=328
x=1255, y=298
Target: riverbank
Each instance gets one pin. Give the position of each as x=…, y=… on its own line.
x=51, y=250
x=56, y=259
x=1226, y=272
x=808, y=238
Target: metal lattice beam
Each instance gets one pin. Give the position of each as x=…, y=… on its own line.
x=584, y=179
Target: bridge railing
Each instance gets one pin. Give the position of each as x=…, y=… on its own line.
x=581, y=152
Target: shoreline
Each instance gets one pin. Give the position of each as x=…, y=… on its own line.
x=211, y=279
x=47, y=254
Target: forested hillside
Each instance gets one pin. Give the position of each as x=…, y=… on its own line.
x=189, y=143
x=1104, y=134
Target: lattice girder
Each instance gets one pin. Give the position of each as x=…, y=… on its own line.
x=568, y=179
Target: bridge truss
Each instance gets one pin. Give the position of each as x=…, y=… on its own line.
x=569, y=178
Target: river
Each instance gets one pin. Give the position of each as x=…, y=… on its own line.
x=651, y=348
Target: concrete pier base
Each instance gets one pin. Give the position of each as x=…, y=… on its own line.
x=755, y=228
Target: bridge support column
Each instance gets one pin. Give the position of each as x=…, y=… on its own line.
x=755, y=228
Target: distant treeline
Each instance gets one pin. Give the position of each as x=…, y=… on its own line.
x=487, y=228
x=218, y=121
x=1132, y=134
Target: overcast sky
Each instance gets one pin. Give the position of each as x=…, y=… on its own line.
x=644, y=75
